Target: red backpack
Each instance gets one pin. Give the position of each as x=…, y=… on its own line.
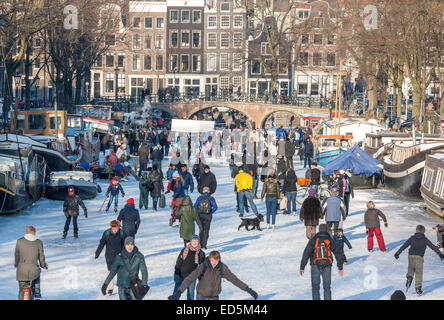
x=322, y=253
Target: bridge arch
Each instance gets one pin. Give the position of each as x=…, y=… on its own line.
x=220, y=106
x=282, y=118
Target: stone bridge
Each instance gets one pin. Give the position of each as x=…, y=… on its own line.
x=257, y=112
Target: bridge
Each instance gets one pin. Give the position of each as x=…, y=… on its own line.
x=257, y=112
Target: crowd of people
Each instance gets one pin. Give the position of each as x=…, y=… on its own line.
x=272, y=165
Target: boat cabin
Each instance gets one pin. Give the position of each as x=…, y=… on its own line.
x=95, y=112
x=39, y=121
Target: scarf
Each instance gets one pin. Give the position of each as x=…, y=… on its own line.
x=30, y=237
x=196, y=255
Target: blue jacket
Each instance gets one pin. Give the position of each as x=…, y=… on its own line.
x=340, y=240
x=188, y=181
x=114, y=190
x=212, y=201
x=170, y=173
x=281, y=133
x=333, y=210
x=178, y=190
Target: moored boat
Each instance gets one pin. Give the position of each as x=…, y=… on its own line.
x=83, y=183
x=331, y=147
x=432, y=183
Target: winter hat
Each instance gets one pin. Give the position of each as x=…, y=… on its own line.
x=113, y=152
x=176, y=174
x=311, y=192
x=70, y=189
x=115, y=179
x=398, y=295
x=114, y=223
x=130, y=200
x=195, y=237
x=129, y=240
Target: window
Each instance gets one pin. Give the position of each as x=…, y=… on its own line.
x=238, y=21
x=224, y=82
x=37, y=121
x=225, y=21
x=442, y=59
x=225, y=6
x=237, y=81
x=52, y=122
x=174, y=62
x=98, y=62
x=109, y=60
x=196, y=39
x=184, y=62
x=331, y=39
x=147, y=41
x=110, y=40
x=283, y=66
x=174, y=16
x=159, y=62
x=159, y=41
x=196, y=63
x=136, y=62
x=331, y=59
x=185, y=43
x=427, y=178
x=237, y=39
x=121, y=60
x=37, y=42
x=265, y=48
x=212, y=40
x=303, y=58
x=317, y=59
x=224, y=62
x=314, y=91
x=302, y=89
x=148, y=22
x=256, y=67
x=37, y=63
x=268, y=66
x=212, y=21
x=237, y=62
x=185, y=16
x=318, y=22
x=159, y=23
x=224, y=40
x=211, y=62
x=197, y=16
x=136, y=41
x=136, y=22
x=305, y=39
x=147, y=62
x=109, y=83
x=121, y=81
x=438, y=183
x=174, y=39
x=303, y=14
x=317, y=39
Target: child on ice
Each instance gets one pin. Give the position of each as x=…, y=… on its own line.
x=340, y=239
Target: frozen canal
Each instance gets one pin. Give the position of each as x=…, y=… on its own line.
x=268, y=261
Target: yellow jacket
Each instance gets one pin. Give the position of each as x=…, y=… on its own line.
x=243, y=181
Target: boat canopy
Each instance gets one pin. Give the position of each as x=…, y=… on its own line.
x=355, y=159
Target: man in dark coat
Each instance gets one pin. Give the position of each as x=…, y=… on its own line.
x=290, y=191
x=205, y=205
x=314, y=174
x=134, y=260
x=113, y=238
x=130, y=218
x=71, y=210
x=289, y=152
x=418, y=244
x=187, y=261
x=311, y=212
x=308, y=152
x=188, y=184
x=157, y=157
x=207, y=179
x=143, y=158
x=210, y=274
x=163, y=140
x=29, y=258
x=321, y=267
x=155, y=178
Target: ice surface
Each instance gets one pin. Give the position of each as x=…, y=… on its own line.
x=268, y=261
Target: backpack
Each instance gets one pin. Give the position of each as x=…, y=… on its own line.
x=149, y=185
x=322, y=253
x=204, y=206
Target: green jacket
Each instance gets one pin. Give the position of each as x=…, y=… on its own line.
x=135, y=264
x=142, y=186
x=188, y=214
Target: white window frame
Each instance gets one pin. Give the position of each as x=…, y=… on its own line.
x=208, y=22
x=215, y=61
x=189, y=39
x=242, y=21
x=222, y=26
x=228, y=42
x=192, y=39
x=192, y=18
x=208, y=40
x=221, y=81
x=140, y=22
x=199, y=65
x=171, y=38
x=169, y=18
x=170, y=63
x=237, y=56
x=252, y=67
x=144, y=22
x=189, y=16
x=144, y=56
x=240, y=41
x=134, y=42
x=132, y=62
x=222, y=66
x=438, y=182
x=180, y=63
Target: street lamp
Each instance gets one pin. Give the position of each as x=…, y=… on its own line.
x=87, y=91
x=17, y=80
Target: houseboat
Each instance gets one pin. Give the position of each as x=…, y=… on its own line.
x=331, y=147
x=432, y=184
x=83, y=183
x=97, y=118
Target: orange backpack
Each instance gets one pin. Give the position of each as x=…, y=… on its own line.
x=322, y=253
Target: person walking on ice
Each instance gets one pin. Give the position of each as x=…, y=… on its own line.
x=113, y=190
x=418, y=244
x=371, y=219
x=71, y=210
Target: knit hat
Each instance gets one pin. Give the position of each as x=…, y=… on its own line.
x=206, y=167
x=113, y=152
x=176, y=174
x=311, y=192
x=114, y=223
x=195, y=237
x=115, y=179
x=70, y=189
x=130, y=200
x=129, y=240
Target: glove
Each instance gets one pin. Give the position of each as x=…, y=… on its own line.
x=175, y=296
x=46, y=266
x=252, y=293
x=123, y=195
x=397, y=256
x=366, y=231
x=385, y=224
x=104, y=286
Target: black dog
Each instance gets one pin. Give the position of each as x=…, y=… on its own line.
x=254, y=222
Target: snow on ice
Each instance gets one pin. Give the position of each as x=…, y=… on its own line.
x=267, y=261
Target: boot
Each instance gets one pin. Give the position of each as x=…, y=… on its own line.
x=64, y=234
x=419, y=291
x=110, y=292
x=155, y=205
x=268, y=226
x=76, y=235
x=171, y=222
x=273, y=227
x=408, y=283
x=115, y=209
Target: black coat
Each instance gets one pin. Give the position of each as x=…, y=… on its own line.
x=418, y=244
x=130, y=219
x=155, y=178
x=290, y=181
x=207, y=180
x=185, y=267
x=315, y=176
x=114, y=244
x=308, y=148
x=157, y=155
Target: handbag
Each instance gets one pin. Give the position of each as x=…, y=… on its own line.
x=283, y=203
x=137, y=288
x=162, y=201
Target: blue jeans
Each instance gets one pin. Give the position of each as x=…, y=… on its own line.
x=291, y=201
x=190, y=291
x=271, y=204
x=199, y=297
x=126, y=294
x=316, y=274
x=346, y=202
x=249, y=197
x=116, y=201
x=255, y=184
